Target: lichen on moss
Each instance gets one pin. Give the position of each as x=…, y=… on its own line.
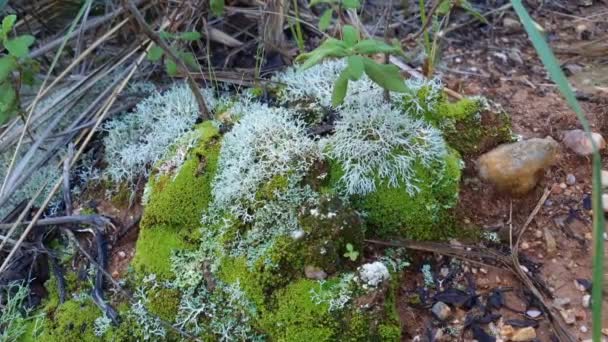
x=179, y=200
x=298, y=318
x=72, y=321
x=470, y=125
x=176, y=202
x=392, y=211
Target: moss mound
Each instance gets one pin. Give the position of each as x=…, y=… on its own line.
x=392, y=211
x=175, y=205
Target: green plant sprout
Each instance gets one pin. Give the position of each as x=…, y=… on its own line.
x=156, y=53
x=351, y=253
x=356, y=50
x=217, y=7
x=335, y=6
x=16, y=67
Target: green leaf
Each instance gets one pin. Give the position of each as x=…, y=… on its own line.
x=171, y=67
x=351, y=4
x=7, y=66
x=217, y=7
x=350, y=35
x=8, y=101
x=155, y=53
x=20, y=46
x=355, y=67
x=189, y=36
x=29, y=69
x=330, y=48
x=316, y=2
x=385, y=75
x=189, y=59
x=444, y=7
x=340, y=88
x=325, y=20
x=553, y=68
x=166, y=35
x=8, y=22
x=371, y=46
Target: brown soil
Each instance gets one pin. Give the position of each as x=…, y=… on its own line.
x=503, y=66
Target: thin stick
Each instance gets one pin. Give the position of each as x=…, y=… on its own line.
x=205, y=115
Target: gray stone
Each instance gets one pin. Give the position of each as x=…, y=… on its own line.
x=441, y=310
x=314, y=272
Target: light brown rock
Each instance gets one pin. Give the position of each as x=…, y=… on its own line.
x=550, y=242
x=577, y=141
x=524, y=334
x=517, y=167
x=314, y=272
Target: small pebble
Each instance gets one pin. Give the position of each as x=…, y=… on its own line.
x=577, y=141
x=583, y=329
x=441, y=310
x=538, y=234
x=122, y=254
x=533, y=313
x=115, y=274
x=563, y=186
x=604, y=179
x=586, y=300
x=524, y=245
x=556, y=189
x=568, y=316
x=314, y=272
x=570, y=179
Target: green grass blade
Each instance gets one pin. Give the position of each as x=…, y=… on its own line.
x=550, y=62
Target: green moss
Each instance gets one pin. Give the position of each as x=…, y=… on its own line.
x=122, y=197
x=172, y=216
x=425, y=216
x=33, y=329
x=329, y=229
x=468, y=126
x=390, y=328
x=72, y=322
x=268, y=191
x=164, y=303
x=234, y=270
x=297, y=318
x=181, y=200
x=360, y=328
x=153, y=250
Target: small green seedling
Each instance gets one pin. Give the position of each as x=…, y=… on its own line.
x=16, y=67
x=351, y=253
x=217, y=7
x=156, y=53
x=335, y=6
x=356, y=50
